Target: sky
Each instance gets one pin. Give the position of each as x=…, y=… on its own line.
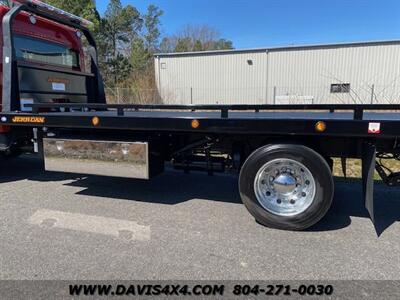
x=265, y=23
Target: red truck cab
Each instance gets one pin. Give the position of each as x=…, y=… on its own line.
x=49, y=60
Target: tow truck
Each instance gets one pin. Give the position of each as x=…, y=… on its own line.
x=282, y=153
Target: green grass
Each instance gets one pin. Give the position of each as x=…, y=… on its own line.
x=354, y=167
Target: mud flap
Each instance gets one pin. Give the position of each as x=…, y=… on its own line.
x=344, y=166
x=368, y=168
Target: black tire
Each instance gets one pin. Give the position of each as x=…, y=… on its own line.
x=317, y=165
x=13, y=153
x=330, y=163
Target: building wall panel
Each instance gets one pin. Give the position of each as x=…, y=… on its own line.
x=286, y=75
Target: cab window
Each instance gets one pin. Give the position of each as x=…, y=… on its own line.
x=35, y=50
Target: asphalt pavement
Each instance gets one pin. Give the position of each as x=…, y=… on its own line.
x=177, y=226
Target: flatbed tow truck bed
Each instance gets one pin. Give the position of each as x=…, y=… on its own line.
x=342, y=120
x=369, y=116
x=191, y=135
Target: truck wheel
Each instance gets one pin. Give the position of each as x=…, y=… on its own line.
x=286, y=186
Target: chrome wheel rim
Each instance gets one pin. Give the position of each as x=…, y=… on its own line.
x=284, y=187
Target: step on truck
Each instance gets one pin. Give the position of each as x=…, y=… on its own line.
x=283, y=154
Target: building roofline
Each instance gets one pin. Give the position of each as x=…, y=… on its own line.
x=282, y=48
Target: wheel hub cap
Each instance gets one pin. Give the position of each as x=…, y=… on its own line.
x=284, y=187
x=285, y=184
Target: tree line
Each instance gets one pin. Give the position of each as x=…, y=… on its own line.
x=127, y=40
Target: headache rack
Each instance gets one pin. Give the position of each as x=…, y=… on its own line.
x=10, y=91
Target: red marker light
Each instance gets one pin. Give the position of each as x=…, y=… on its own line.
x=374, y=128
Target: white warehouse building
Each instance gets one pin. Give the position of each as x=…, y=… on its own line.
x=339, y=73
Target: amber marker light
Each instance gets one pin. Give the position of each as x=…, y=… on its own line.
x=195, y=124
x=320, y=126
x=95, y=121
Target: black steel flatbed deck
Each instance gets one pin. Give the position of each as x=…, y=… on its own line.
x=298, y=115
x=341, y=120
